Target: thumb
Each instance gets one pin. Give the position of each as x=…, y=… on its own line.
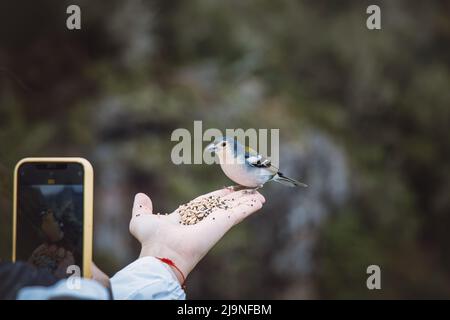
x=142, y=205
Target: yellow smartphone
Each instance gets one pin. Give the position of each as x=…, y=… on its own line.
x=53, y=213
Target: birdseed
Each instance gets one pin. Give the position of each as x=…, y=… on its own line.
x=196, y=210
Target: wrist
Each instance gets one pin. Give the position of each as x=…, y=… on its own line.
x=180, y=271
x=176, y=272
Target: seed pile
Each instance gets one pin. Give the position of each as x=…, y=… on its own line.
x=197, y=210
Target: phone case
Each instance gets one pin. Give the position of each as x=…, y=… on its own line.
x=88, y=203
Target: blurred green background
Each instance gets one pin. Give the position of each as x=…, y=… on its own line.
x=364, y=119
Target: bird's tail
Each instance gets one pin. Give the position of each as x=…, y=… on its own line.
x=281, y=178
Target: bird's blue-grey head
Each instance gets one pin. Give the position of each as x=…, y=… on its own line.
x=225, y=142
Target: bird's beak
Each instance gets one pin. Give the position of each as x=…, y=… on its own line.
x=211, y=147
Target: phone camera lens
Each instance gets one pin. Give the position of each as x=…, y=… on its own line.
x=80, y=173
x=22, y=173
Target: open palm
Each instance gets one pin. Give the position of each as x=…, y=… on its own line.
x=164, y=236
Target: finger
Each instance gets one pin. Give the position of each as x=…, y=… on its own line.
x=243, y=193
x=240, y=211
x=245, y=209
x=217, y=193
x=232, y=199
x=226, y=218
x=230, y=204
x=213, y=227
x=237, y=198
x=142, y=205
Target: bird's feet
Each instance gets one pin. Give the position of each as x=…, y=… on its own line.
x=244, y=189
x=252, y=190
x=234, y=188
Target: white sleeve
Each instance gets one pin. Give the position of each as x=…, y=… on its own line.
x=146, y=279
x=65, y=289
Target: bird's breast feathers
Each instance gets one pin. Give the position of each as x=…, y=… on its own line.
x=245, y=175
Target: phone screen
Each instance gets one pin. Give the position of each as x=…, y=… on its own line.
x=50, y=216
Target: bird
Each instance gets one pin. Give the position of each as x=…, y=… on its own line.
x=246, y=166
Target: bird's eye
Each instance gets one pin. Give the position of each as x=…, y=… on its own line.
x=224, y=144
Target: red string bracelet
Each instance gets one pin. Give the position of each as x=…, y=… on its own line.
x=172, y=264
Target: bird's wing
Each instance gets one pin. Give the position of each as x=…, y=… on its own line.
x=254, y=159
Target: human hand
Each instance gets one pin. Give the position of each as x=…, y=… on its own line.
x=163, y=235
x=99, y=276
